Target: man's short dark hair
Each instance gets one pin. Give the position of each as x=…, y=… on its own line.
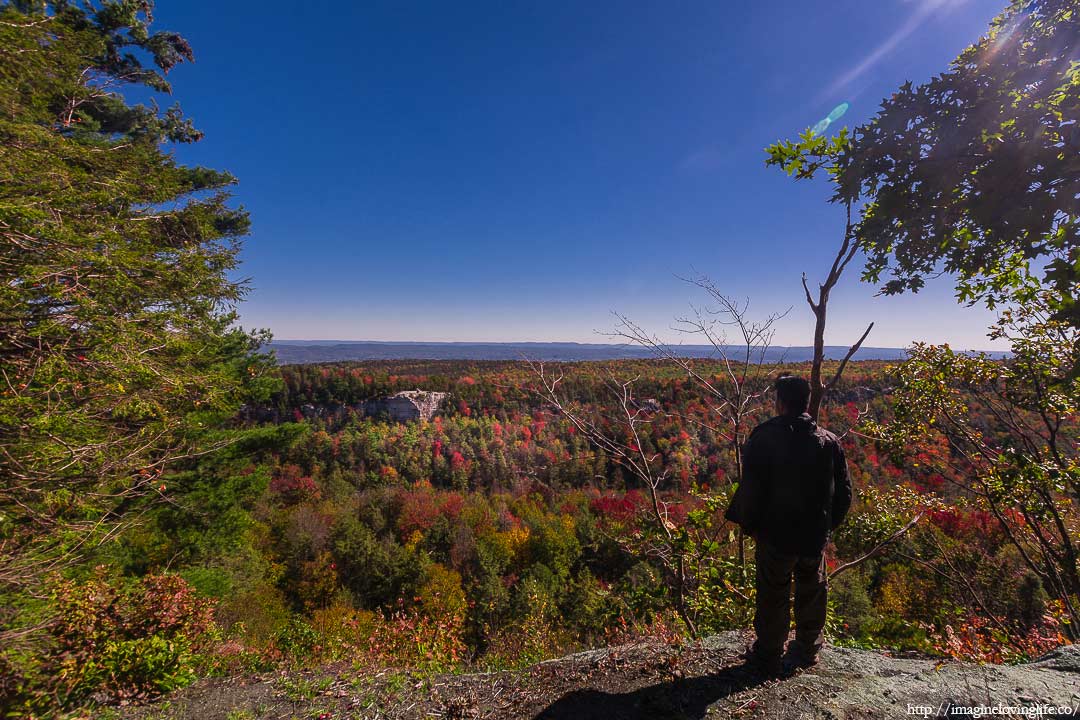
x=793, y=392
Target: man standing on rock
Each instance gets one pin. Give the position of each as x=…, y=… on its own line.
x=794, y=492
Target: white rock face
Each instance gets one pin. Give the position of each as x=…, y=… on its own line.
x=407, y=405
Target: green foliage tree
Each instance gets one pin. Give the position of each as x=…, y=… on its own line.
x=1011, y=428
x=977, y=172
x=119, y=356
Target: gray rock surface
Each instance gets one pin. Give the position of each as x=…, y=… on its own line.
x=646, y=680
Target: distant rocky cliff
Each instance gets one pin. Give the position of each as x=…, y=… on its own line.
x=406, y=405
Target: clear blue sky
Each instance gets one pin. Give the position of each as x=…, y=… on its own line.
x=509, y=171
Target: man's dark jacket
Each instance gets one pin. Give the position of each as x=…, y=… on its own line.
x=795, y=488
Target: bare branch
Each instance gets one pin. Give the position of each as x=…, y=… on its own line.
x=843, y=363
x=879, y=547
x=809, y=298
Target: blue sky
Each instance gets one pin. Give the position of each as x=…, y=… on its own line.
x=508, y=171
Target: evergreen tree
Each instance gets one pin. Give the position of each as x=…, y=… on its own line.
x=119, y=354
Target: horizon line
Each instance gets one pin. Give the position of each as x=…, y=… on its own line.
x=589, y=344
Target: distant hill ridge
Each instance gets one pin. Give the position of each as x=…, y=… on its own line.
x=319, y=351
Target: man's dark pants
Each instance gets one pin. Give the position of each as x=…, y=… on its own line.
x=773, y=608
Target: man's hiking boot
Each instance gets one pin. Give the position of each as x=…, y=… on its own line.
x=769, y=666
x=798, y=659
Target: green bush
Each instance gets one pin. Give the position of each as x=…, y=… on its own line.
x=109, y=640
x=297, y=640
x=145, y=666
x=851, y=610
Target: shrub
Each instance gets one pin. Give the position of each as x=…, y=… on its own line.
x=851, y=609
x=257, y=614
x=298, y=641
x=143, y=666
x=992, y=640
x=535, y=633
x=407, y=638
x=441, y=595
x=344, y=631
x=112, y=640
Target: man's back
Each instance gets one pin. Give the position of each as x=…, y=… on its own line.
x=795, y=486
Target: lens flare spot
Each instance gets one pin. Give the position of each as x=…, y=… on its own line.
x=838, y=112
